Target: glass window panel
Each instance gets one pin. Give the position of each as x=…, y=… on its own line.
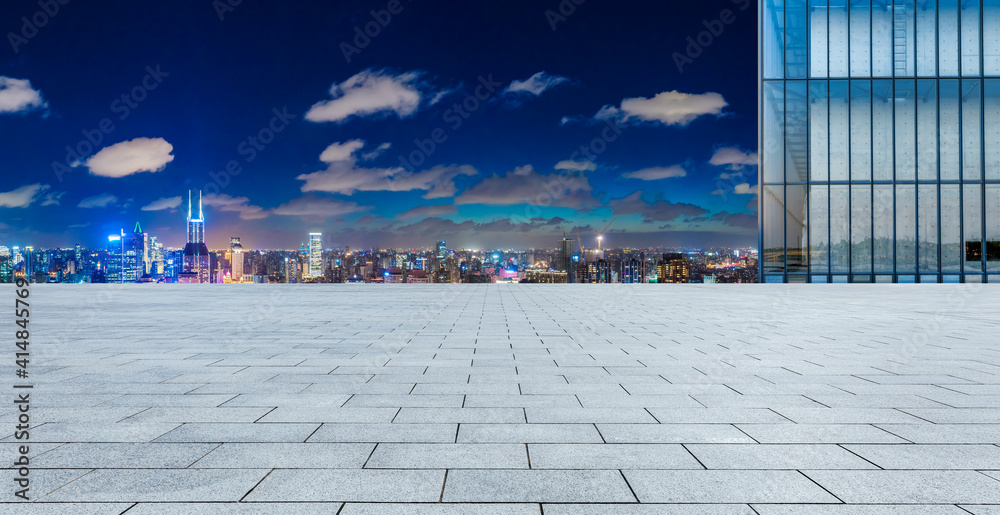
x=840, y=129
x=795, y=227
x=972, y=157
x=840, y=246
x=774, y=231
x=861, y=130
x=796, y=132
x=991, y=116
x=904, y=40
x=882, y=130
x=947, y=37
x=951, y=228
x=926, y=39
x=948, y=109
x=993, y=229
x=861, y=29
x=927, y=130
x=905, y=108
x=970, y=38
x=774, y=21
x=818, y=37
x=795, y=39
x=861, y=228
x=972, y=219
x=906, y=228
x=839, y=54
x=819, y=132
x=881, y=38
x=991, y=37
x=927, y=227
x=882, y=214
x=819, y=227
x=774, y=126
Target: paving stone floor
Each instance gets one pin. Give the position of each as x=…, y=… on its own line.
x=512, y=399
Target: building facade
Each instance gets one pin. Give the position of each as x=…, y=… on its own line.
x=315, y=255
x=879, y=141
x=196, y=266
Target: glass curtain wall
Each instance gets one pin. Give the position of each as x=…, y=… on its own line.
x=880, y=140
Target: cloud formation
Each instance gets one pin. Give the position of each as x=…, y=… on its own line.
x=656, y=173
x=536, y=84
x=667, y=108
x=656, y=211
x=344, y=176
x=98, y=201
x=162, y=204
x=240, y=205
x=17, y=96
x=576, y=166
x=367, y=93
x=745, y=189
x=131, y=157
x=733, y=157
x=23, y=196
x=315, y=207
x=742, y=220
x=426, y=211
x=524, y=185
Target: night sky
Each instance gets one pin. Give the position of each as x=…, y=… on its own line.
x=460, y=120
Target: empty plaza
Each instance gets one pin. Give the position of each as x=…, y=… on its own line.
x=512, y=399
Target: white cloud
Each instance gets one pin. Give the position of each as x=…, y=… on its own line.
x=733, y=157
x=745, y=189
x=369, y=92
x=102, y=200
x=315, y=207
x=668, y=108
x=576, y=166
x=133, y=156
x=23, y=196
x=239, y=205
x=344, y=176
x=656, y=173
x=536, y=84
x=162, y=204
x=368, y=156
x=52, y=198
x=524, y=185
x=17, y=96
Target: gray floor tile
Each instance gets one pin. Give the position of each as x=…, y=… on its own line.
x=350, y=485
x=536, y=486
x=610, y=456
x=776, y=456
x=448, y=456
x=908, y=486
x=725, y=486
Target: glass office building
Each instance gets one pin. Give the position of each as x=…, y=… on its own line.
x=880, y=140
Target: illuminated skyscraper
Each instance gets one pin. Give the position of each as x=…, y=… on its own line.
x=315, y=255
x=116, y=251
x=6, y=265
x=442, y=249
x=196, y=260
x=880, y=159
x=236, y=259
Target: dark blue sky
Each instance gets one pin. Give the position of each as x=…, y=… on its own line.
x=670, y=151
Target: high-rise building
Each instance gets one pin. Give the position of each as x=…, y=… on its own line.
x=116, y=251
x=236, y=259
x=634, y=269
x=442, y=249
x=6, y=265
x=673, y=268
x=564, y=260
x=133, y=257
x=196, y=260
x=880, y=160
x=315, y=255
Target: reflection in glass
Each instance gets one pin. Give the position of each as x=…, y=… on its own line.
x=905, y=106
x=796, y=132
x=951, y=228
x=861, y=30
x=949, y=129
x=840, y=128
x=882, y=213
x=991, y=115
x=861, y=228
x=926, y=39
x=773, y=34
x=972, y=160
x=840, y=218
x=970, y=38
x=773, y=256
x=819, y=227
x=972, y=217
x=795, y=225
x=991, y=37
x=882, y=130
x=906, y=229
x=927, y=227
x=774, y=127
x=818, y=37
x=927, y=130
x=861, y=131
x=881, y=38
x=819, y=132
x=795, y=39
x=839, y=55
x=947, y=38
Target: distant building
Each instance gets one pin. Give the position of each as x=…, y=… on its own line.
x=6, y=266
x=315, y=255
x=673, y=268
x=634, y=269
x=442, y=249
x=196, y=261
x=236, y=259
x=535, y=276
x=116, y=251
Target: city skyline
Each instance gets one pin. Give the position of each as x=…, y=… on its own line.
x=474, y=137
